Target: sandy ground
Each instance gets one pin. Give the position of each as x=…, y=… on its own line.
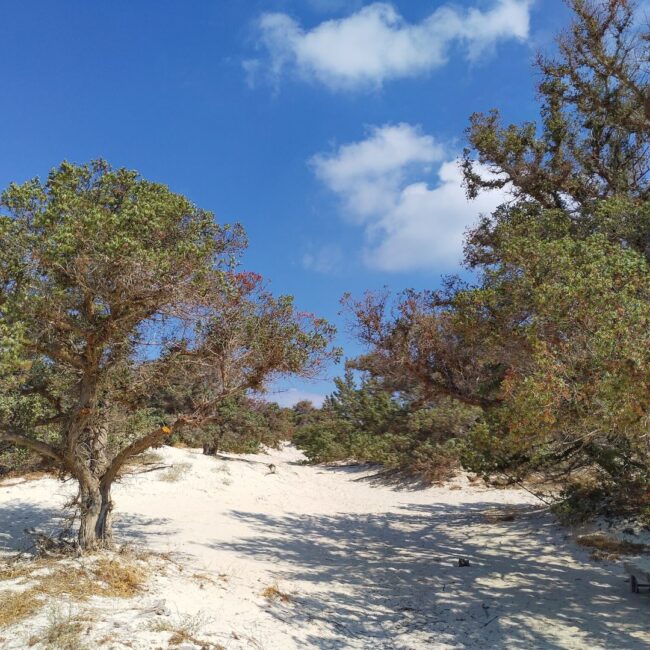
x=367, y=565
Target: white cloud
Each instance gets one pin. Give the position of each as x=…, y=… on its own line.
x=367, y=174
x=382, y=182
x=376, y=44
x=292, y=396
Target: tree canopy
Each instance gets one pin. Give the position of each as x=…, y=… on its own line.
x=550, y=339
x=111, y=285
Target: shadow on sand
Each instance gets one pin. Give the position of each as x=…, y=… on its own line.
x=15, y=517
x=391, y=580
x=377, y=476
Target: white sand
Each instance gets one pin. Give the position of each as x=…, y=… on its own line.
x=367, y=565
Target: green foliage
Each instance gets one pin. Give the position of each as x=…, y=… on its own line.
x=368, y=424
x=90, y=258
x=564, y=300
x=323, y=441
x=551, y=343
x=242, y=425
x=591, y=140
x=18, y=460
x=117, y=297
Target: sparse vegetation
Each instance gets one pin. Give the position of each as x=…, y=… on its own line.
x=146, y=458
x=606, y=547
x=63, y=630
x=40, y=581
x=176, y=473
x=17, y=606
x=274, y=593
x=186, y=629
x=495, y=515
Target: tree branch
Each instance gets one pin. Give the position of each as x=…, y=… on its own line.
x=38, y=446
x=137, y=447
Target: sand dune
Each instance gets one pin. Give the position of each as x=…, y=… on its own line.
x=364, y=564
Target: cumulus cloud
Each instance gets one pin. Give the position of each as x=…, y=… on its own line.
x=384, y=184
x=376, y=44
x=367, y=174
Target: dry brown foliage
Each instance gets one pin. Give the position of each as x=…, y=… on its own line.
x=497, y=515
x=63, y=631
x=108, y=577
x=608, y=548
x=185, y=630
x=17, y=606
x=273, y=593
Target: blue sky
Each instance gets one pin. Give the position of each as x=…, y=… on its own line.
x=328, y=128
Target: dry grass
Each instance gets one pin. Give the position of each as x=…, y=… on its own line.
x=121, y=579
x=63, y=631
x=185, y=630
x=274, y=593
x=203, y=578
x=22, y=569
x=107, y=577
x=609, y=548
x=498, y=515
x=176, y=472
x=48, y=579
x=146, y=458
x=17, y=606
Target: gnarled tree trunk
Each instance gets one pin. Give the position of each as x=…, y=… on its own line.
x=95, y=503
x=104, y=526
x=95, y=507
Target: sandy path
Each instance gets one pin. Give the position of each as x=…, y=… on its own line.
x=366, y=565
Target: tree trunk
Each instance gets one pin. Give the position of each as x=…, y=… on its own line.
x=210, y=448
x=104, y=526
x=90, y=505
x=96, y=505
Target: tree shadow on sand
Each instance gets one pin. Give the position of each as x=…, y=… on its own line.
x=17, y=516
x=392, y=580
x=378, y=476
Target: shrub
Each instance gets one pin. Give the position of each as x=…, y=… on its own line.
x=368, y=424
